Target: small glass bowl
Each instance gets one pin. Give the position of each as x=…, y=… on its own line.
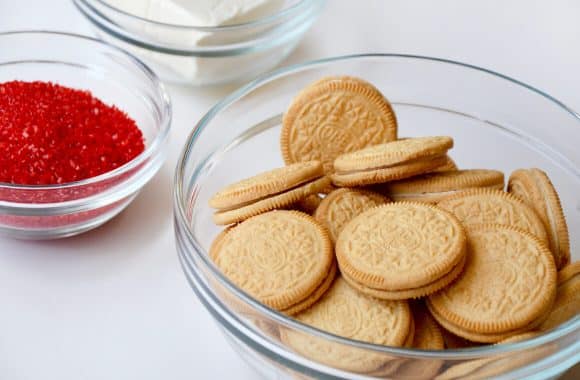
x=115, y=77
x=497, y=122
x=205, y=55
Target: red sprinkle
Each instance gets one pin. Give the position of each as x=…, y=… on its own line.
x=51, y=134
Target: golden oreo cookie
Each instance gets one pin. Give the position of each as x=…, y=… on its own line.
x=519, y=337
x=454, y=342
x=427, y=333
x=449, y=166
x=427, y=337
x=489, y=367
x=391, y=161
x=435, y=187
x=267, y=191
x=342, y=205
x=333, y=116
x=345, y=312
x=281, y=258
x=387, y=370
x=508, y=286
x=485, y=337
x=483, y=206
x=535, y=188
x=411, y=292
x=568, y=272
x=316, y=294
x=400, y=247
x=308, y=204
x=567, y=303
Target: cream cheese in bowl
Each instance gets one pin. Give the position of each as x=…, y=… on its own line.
x=199, y=12
x=206, y=41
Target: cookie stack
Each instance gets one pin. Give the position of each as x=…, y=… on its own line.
x=384, y=240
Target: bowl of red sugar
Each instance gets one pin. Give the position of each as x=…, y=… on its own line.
x=83, y=127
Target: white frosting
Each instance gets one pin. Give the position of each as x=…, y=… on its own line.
x=228, y=12
x=206, y=13
x=199, y=12
x=157, y=10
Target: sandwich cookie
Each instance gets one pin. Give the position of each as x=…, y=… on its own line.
x=490, y=367
x=278, y=188
x=342, y=205
x=391, y=364
x=535, y=188
x=308, y=204
x=281, y=258
x=484, y=206
x=450, y=165
x=435, y=187
x=401, y=250
x=454, y=342
x=345, y=312
x=427, y=337
x=508, y=286
x=519, y=337
x=568, y=272
x=567, y=303
x=391, y=161
x=333, y=116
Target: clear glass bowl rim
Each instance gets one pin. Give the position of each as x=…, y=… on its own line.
x=151, y=150
x=180, y=203
x=283, y=13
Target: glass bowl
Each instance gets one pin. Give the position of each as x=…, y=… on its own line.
x=197, y=55
x=115, y=77
x=497, y=122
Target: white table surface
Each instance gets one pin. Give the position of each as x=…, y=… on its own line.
x=113, y=303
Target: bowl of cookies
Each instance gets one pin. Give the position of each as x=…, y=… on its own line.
x=387, y=216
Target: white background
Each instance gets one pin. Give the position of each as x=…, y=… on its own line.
x=113, y=303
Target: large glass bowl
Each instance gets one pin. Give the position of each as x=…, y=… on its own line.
x=115, y=77
x=497, y=122
x=201, y=55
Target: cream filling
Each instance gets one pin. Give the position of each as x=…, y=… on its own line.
x=462, y=261
x=250, y=202
x=391, y=166
x=439, y=193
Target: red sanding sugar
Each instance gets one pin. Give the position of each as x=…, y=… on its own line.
x=51, y=134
